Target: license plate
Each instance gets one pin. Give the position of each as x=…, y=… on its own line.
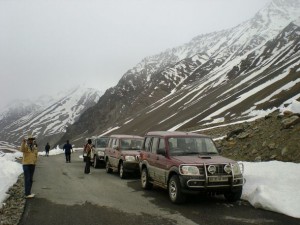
x=218, y=179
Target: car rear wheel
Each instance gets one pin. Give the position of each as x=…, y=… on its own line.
x=145, y=180
x=107, y=167
x=122, y=173
x=174, y=188
x=233, y=196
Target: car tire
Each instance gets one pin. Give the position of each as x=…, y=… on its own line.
x=107, y=167
x=96, y=162
x=145, y=180
x=174, y=189
x=122, y=173
x=233, y=196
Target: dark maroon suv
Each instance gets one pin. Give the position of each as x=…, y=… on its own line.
x=122, y=154
x=187, y=163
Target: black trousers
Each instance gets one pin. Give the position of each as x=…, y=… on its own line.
x=87, y=165
x=68, y=157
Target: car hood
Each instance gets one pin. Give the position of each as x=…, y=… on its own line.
x=131, y=152
x=200, y=159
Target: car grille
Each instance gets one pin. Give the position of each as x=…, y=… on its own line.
x=219, y=169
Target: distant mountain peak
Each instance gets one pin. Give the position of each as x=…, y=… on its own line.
x=45, y=116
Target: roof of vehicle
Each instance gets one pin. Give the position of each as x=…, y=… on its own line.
x=174, y=133
x=102, y=137
x=125, y=136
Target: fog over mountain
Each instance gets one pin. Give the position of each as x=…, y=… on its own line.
x=45, y=117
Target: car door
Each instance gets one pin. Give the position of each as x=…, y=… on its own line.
x=149, y=157
x=115, y=152
x=161, y=161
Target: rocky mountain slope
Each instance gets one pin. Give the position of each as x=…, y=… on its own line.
x=273, y=137
x=45, y=118
x=217, y=78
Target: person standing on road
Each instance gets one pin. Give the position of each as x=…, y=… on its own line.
x=47, y=149
x=67, y=148
x=30, y=153
x=88, y=148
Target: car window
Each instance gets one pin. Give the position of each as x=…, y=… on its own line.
x=110, y=142
x=113, y=142
x=162, y=145
x=154, y=145
x=117, y=142
x=191, y=145
x=147, y=144
x=102, y=142
x=131, y=144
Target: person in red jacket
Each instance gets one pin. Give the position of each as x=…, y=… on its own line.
x=88, y=149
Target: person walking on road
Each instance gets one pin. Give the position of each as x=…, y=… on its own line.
x=88, y=148
x=67, y=148
x=47, y=149
x=30, y=154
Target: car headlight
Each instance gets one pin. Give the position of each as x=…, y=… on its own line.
x=236, y=169
x=101, y=153
x=129, y=158
x=190, y=170
x=227, y=168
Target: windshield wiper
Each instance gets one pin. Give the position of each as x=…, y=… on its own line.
x=191, y=153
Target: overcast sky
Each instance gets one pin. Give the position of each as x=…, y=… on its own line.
x=47, y=46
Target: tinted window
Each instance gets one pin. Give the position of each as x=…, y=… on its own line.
x=131, y=144
x=191, y=145
x=102, y=142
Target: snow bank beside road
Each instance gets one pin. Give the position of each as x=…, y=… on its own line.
x=273, y=186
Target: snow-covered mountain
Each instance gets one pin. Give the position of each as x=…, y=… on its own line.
x=218, y=77
x=45, y=117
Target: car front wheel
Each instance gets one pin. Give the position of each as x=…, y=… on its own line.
x=145, y=180
x=107, y=167
x=174, y=188
x=121, y=171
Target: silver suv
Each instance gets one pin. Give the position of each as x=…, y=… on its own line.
x=100, y=143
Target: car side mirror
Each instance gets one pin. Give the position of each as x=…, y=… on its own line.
x=161, y=152
x=116, y=147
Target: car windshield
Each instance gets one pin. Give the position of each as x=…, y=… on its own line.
x=102, y=142
x=180, y=146
x=131, y=144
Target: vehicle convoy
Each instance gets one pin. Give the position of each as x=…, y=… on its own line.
x=100, y=143
x=188, y=163
x=122, y=154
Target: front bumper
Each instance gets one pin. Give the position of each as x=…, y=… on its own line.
x=131, y=166
x=211, y=184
